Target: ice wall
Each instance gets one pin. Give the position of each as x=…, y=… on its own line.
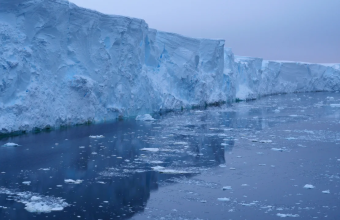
x=186, y=71
x=255, y=77
x=63, y=65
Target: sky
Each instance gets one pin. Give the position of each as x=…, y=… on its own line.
x=296, y=30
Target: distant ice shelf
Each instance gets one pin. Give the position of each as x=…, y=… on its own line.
x=63, y=65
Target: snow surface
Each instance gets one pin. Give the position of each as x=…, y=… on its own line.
x=63, y=65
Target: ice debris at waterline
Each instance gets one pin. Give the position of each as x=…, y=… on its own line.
x=49, y=79
x=34, y=202
x=145, y=117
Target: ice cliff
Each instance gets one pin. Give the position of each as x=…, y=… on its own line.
x=63, y=65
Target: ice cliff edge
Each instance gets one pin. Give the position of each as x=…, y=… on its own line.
x=63, y=65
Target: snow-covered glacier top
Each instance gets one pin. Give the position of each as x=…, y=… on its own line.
x=62, y=65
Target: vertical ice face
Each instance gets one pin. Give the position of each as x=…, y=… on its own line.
x=255, y=77
x=64, y=65
x=185, y=71
x=61, y=65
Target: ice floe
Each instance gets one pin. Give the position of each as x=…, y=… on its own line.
x=309, y=186
x=36, y=203
x=287, y=215
x=70, y=181
x=226, y=188
x=45, y=169
x=224, y=199
x=266, y=141
x=170, y=171
x=150, y=149
x=10, y=145
x=96, y=136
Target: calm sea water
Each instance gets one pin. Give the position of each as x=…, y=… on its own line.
x=266, y=159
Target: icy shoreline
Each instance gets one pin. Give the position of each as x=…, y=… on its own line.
x=63, y=65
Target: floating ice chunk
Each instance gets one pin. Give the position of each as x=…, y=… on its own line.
x=248, y=204
x=287, y=215
x=244, y=184
x=73, y=181
x=224, y=144
x=226, y=188
x=203, y=201
x=293, y=115
x=36, y=203
x=96, y=136
x=26, y=183
x=150, y=149
x=326, y=192
x=145, y=117
x=277, y=149
x=81, y=147
x=169, y=171
x=42, y=207
x=223, y=199
x=335, y=105
x=276, y=110
x=309, y=186
x=214, y=129
x=44, y=169
x=232, y=168
x=266, y=141
x=222, y=165
x=11, y=145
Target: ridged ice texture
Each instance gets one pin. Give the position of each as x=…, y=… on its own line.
x=64, y=65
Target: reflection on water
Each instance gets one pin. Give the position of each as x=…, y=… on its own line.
x=117, y=175
x=118, y=171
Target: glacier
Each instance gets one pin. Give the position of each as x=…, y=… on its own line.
x=63, y=65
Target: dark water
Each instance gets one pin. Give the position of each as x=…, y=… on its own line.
x=265, y=150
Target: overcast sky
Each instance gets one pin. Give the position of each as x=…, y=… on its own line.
x=297, y=30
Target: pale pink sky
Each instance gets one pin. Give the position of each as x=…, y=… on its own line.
x=297, y=30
